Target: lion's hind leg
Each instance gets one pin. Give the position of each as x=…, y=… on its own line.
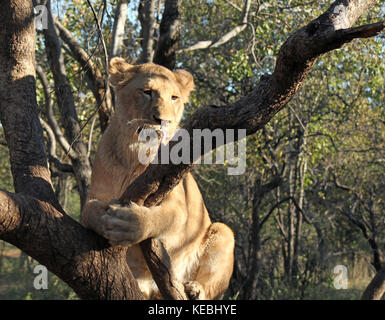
x=215, y=266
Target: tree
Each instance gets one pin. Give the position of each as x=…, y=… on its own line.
x=33, y=220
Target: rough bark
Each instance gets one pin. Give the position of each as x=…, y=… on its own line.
x=84, y=260
x=169, y=35
x=18, y=106
x=207, y=44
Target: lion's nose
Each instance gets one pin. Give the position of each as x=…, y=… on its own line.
x=159, y=120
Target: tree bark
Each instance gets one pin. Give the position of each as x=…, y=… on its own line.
x=118, y=30
x=169, y=37
x=147, y=22
x=207, y=44
x=18, y=106
x=96, y=82
x=376, y=288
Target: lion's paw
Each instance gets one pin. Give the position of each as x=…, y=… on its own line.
x=194, y=290
x=125, y=225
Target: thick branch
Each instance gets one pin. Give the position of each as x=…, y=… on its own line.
x=84, y=260
x=18, y=106
x=118, y=30
x=147, y=22
x=376, y=288
x=170, y=32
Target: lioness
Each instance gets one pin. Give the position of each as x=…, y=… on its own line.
x=201, y=252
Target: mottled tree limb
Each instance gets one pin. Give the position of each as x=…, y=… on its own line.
x=169, y=35
x=147, y=22
x=118, y=30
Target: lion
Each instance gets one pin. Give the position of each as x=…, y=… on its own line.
x=201, y=252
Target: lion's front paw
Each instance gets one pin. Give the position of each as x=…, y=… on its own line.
x=126, y=225
x=194, y=290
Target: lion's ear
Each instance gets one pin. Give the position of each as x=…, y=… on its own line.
x=185, y=81
x=119, y=71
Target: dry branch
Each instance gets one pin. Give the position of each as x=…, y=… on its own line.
x=147, y=22
x=96, y=82
x=170, y=32
x=118, y=30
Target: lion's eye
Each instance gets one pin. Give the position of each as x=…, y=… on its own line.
x=147, y=92
x=174, y=98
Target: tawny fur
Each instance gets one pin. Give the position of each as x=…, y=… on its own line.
x=201, y=252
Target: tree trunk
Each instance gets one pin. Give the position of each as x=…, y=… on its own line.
x=170, y=32
x=376, y=287
x=118, y=30
x=147, y=33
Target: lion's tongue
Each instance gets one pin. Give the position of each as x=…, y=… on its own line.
x=164, y=129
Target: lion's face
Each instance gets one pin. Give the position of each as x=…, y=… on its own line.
x=149, y=94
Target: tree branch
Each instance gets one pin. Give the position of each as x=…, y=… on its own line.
x=170, y=32
x=206, y=44
x=52, y=123
x=18, y=106
x=376, y=288
x=84, y=260
x=147, y=22
x=55, y=164
x=118, y=30
x=97, y=84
